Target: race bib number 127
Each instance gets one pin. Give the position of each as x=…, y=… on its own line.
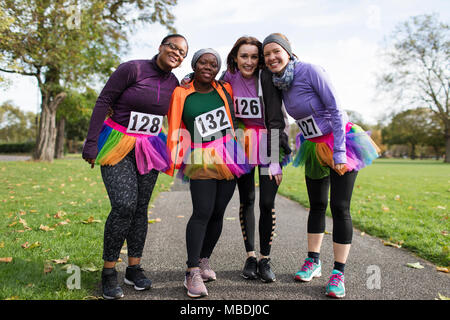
x=144, y=123
x=309, y=127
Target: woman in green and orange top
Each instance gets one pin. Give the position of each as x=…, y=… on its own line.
x=205, y=151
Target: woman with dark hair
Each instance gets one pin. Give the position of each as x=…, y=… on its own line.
x=331, y=148
x=258, y=108
x=131, y=150
x=204, y=149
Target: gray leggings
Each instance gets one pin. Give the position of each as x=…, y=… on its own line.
x=129, y=194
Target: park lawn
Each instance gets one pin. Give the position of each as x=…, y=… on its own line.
x=56, y=211
x=404, y=202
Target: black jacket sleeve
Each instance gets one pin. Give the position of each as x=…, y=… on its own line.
x=274, y=116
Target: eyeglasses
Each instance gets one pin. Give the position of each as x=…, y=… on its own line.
x=175, y=48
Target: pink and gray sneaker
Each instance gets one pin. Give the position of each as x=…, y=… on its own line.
x=193, y=282
x=207, y=273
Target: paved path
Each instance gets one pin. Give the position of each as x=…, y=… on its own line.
x=4, y=157
x=165, y=256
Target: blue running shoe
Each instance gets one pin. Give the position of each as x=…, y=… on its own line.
x=309, y=270
x=335, y=286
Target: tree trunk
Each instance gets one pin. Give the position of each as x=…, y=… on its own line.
x=45, y=141
x=447, y=143
x=60, y=138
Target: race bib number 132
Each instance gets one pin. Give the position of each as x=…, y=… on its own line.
x=213, y=121
x=144, y=123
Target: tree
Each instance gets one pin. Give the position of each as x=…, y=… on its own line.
x=73, y=117
x=410, y=127
x=64, y=44
x=16, y=125
x=418, y=68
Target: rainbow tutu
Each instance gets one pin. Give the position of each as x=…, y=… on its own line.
x=316, y=154
x=254, y=141
x=115, y=143
x=220, y=159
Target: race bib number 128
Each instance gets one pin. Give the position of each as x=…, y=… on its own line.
x=144, y=123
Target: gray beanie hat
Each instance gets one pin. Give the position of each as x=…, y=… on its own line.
x=201, y=52
x=279, y=40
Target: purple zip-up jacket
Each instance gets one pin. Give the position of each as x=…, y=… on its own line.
x=312, y=93
x=137, y=85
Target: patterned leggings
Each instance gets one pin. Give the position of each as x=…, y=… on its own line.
x=129, y=194
x=267, y=218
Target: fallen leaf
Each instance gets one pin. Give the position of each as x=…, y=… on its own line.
x=45, y=228
x=6, y=259
x=31, y=246
x=442, y=297
x=391, y=244
x=90, y=268
x=61, y=261
x=415, y=265
x=90, y=220
x=48, y=268
x=441, y=207
x=442, y=269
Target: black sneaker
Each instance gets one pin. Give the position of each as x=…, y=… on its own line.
x=264, y=271
x=250, y=269
x=134, y=276
x=110, y=287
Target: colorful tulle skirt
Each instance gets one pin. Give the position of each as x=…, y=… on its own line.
x=115, y=143
x=220, y=159
x=317, y=154
x=254, y=141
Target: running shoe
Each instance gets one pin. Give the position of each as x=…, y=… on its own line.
x=193, y=282
x=335, y=287
x=309, y=270
x=110, y=287
x=207, y=273
x=250, y=270
x=264, y=271
x=134, y=276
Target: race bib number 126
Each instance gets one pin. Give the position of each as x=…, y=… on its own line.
x=144, y=123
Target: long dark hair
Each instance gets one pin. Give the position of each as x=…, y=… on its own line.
x=231, y=63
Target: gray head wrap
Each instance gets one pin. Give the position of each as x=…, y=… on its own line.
x=279, y=40
x=201, y=52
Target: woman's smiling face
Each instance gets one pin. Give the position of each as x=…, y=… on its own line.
x=206, y=68
x=247, y=59
x=275, y=57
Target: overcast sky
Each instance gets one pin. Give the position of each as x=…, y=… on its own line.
x=343, y=36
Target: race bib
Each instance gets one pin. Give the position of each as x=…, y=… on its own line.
x=247, y=107
x=144, y=123
x=212, y=122
x=309, y=127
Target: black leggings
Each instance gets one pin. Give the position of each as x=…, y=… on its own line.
x=268, y=190
x=340, y=197
x=209, y=201
x=129, y=194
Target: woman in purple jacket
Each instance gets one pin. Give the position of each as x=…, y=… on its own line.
x=131, y=149
x=331, y=148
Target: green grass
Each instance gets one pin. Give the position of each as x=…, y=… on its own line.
x=36, y=192
x=402, y=201
x=406, y=202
